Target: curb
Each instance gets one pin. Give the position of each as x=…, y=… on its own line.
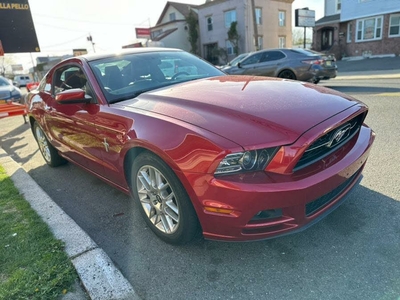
x=98, y=274
x=368, y=76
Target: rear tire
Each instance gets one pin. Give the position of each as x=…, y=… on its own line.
x=163, y=201
x=287, y=74
x=49, y=153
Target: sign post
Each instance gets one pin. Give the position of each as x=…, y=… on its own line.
x=304, y=18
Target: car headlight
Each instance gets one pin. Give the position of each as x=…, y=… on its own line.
x=252, y=160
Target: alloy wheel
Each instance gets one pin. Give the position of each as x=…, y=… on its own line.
x=158, y=199
x=43, y=144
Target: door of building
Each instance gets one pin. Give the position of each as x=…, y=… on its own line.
x=326, y=38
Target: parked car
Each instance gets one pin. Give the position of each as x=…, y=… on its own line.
x=232, y=157
x=21, y=80
x=297, y=64
x=8, y=92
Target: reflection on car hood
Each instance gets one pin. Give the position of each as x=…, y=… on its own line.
x=248, y=110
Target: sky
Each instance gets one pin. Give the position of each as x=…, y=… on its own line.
x=63, y=25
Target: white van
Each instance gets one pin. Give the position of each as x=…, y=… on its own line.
x=21, y=80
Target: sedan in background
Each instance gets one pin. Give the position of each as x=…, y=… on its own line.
x=233, y=158
x=297, y=64
x=8, y=92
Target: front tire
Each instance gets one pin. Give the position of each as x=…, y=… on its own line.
x=163, y=201
x=49, y=153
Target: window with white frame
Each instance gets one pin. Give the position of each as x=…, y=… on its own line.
x=338, y=6
x=172, y=16
x=369, y=29
x=282, y=18
x=209, y=23
x=394, y=25
x=230, y=16
x=229, y=48
x=282, y=42
x=349, y=32
x=258, y=16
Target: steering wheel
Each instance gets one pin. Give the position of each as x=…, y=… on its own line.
x=178, y=74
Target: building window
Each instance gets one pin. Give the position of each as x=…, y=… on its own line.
x=258, y=16
x=282, y=42
x=338, y=6
x=229, y=48
x=172, y=16
x=349, y=32
x=209, y=23
x=282, y=18
x=230, y=16
x=394, y=25
x=369, y=29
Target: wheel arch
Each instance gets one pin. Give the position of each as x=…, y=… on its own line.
x=134, y=151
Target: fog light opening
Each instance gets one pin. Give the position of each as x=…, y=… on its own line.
x=267, y=214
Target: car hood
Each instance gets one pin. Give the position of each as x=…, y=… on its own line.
x=248, y=110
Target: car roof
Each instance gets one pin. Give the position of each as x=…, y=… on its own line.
x=96, y=56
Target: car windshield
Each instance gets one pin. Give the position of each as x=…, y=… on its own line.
x=4, y=82
x=126, y=76
x=237, y=59
x=305, y=52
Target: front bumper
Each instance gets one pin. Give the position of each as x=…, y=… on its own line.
x=293, y=202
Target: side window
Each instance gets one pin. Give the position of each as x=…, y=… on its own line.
x=253, y=59
x=69, y=77
x=272, y=55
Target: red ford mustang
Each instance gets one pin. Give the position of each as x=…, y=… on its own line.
x=232, y=157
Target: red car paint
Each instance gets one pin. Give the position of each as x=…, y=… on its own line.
x=193, y=125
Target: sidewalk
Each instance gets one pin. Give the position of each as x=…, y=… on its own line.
x=383, y=68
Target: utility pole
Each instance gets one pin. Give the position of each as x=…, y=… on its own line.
x=253, y=12
x=90, y=39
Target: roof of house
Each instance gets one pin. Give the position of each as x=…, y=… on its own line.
x=183, y=8
x=328, y=19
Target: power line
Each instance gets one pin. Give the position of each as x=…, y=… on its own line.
x=56, y=45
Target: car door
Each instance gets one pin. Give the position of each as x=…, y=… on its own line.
x=71, y=125
x=270, y=62
x=249, y=66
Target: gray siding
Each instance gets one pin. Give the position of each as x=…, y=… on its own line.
x=355, y=9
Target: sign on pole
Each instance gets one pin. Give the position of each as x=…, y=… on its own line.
x=17, y=31
x=143, y=33
x=304, y=18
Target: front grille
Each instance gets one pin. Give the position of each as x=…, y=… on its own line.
x=321, y=202
x=330, y=142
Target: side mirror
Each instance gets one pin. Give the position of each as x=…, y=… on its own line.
x=73, y=96
x=239, y=65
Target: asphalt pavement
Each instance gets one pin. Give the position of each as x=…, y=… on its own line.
x=100, y=279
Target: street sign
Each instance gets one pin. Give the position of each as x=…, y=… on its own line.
x=304, y=18
x=143, y=33
x=17, y=31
